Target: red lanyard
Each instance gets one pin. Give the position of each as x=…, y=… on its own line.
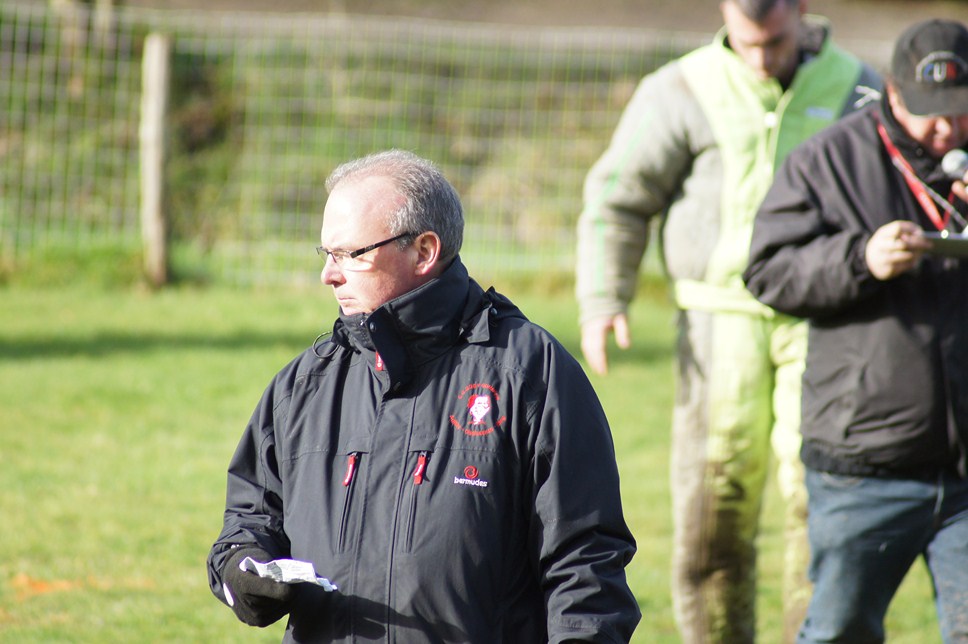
x=914, y=183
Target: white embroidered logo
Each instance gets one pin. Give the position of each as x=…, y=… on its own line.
x=470, y=478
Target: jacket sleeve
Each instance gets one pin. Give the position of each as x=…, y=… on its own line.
x=579, y=535
x=253, y=502
x=806, y=259
x=635, y=179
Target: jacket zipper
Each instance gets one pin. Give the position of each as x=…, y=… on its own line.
x=419, y=476
x=352, y=462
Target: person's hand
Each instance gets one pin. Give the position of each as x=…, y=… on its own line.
x=895, y=248
x=255, y=600
x=594, y=339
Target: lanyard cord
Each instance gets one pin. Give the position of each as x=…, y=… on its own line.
x=926, y=196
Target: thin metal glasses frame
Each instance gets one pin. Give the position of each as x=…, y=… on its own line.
x=342, y=255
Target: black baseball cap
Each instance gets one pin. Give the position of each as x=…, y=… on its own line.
x=930, y=68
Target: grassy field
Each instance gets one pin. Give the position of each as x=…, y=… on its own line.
x=119, y=411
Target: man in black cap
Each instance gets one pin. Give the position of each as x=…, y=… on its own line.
x=847, y=237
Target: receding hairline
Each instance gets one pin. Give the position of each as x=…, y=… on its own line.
x=386, y=164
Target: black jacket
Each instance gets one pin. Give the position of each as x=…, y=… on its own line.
x=437, y=525
x=885, y=391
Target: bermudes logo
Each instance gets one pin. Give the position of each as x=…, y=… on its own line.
x=471, y=475
x=480, y=402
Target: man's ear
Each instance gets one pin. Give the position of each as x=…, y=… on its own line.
x=428, y=247
x=893, y=96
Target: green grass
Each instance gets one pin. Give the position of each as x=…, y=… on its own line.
x=119, y=411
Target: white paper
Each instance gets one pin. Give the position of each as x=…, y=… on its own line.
x=287, y=571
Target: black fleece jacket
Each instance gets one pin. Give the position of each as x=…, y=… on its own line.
x=885, y=391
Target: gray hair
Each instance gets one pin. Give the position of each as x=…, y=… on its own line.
x=757, y=10
x=431, y=202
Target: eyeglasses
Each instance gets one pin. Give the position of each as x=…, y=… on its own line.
x=348, y=259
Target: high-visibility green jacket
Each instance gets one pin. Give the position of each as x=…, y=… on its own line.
x=698, y=144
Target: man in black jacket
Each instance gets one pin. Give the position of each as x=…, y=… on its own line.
x=841, y=240
x=439, y=459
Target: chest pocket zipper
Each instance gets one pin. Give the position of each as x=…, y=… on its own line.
x=352, y=464
x=419, y=476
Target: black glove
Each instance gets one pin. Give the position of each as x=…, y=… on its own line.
x=256, y=601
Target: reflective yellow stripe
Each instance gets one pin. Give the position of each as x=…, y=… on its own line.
x=700, y=296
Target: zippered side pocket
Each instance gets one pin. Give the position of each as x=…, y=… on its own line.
x=419, y=476
x=352, y=465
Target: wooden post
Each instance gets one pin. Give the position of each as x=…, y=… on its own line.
x=154, y=105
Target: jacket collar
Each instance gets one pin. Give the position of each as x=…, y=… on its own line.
x=924, y=165
x=417, y=326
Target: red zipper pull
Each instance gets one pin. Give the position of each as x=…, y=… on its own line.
x=418, y=474
x=350, y=469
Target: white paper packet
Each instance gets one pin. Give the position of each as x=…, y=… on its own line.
x=287, y=571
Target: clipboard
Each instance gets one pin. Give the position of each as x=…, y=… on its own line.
x=947, y=244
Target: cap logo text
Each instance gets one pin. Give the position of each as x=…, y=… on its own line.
x=940, y=67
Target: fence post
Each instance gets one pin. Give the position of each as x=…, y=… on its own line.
x=154, y=105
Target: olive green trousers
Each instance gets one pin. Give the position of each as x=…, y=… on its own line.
x=737, y=402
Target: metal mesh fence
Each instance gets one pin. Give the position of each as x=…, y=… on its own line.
x=264, y=106
x=68, y=164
